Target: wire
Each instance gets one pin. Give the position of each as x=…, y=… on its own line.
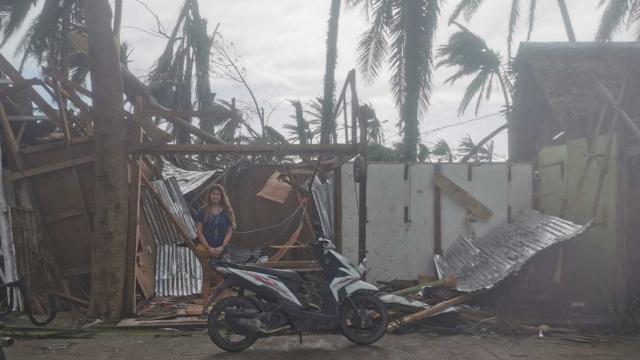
x=272, y=226
x=460, y=123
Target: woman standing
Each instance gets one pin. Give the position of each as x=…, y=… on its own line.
x=214, y=222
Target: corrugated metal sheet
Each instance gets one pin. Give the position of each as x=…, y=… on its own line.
x=178, y=271
x=162, y=229
x=482, y=263
x=187, y=180
x=323, y=197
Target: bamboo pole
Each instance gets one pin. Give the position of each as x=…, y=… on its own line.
x=434, y=310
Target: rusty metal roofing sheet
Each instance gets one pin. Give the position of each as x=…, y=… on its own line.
x=162, y=229
x=178, y=271
x=187, y=180
x=482, y=263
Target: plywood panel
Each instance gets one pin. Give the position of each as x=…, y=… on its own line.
x=552, y=162
x=489, y=184
x=349, y=213
x=403, y=248
x=65, y=202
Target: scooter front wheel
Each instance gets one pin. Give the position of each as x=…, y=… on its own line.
x=222, y=334
x=363, y=319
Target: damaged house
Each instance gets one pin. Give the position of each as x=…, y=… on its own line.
x=562, y=214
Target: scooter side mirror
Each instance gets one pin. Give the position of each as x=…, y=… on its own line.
x=362, y=268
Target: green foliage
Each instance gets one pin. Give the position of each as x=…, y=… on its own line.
x=469, y=55
x=617, y=13
x=379, y=152
x=401, y=32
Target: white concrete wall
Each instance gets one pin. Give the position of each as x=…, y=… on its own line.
x=399, y=249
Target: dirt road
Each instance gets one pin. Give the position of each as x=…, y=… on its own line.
x=170, y=345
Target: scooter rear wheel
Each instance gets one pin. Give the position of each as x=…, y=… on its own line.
x=220, y=333
x=363, y=319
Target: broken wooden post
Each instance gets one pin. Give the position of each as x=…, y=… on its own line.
x=635, y=130
x=434, y=310
x=459, y=194
x=447, y=282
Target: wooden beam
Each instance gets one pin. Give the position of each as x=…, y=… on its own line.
x=251, y=149
x=15, y=76
x=633, y=127
x=49, y=168
x=185, y=114
x=24, y=118
x=16, y=88
x=63, y=215
x=459, y=194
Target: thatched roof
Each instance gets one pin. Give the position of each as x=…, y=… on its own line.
x=561, y=79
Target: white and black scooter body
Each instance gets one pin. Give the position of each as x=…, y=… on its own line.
x=274, y=294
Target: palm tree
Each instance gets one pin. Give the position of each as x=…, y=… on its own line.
x=185, y=57
x=401, y=33
x=469, y=55
x=468, y=149
x=46, y=38
x=616, y=13
x=375, y=131
x=329, y=74
x=443, y=151
x=299, y=131
x=468, y=8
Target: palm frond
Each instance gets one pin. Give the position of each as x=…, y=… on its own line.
x=475, y=86
x=612, y=19
x=532, y=16
x=466, y=7
x=634, y=17
x=373, y=46
x=442, y=150
x=513, y=23
x=17, y=11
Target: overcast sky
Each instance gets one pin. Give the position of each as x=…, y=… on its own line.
x=282, y=45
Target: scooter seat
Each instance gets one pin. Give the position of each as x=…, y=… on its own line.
x=288, y=275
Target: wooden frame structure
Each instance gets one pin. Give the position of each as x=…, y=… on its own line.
x=59, y=175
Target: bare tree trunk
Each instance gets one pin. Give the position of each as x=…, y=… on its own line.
x=110, y=222
x=330, y=72
x=567, y=20
x=117, y=20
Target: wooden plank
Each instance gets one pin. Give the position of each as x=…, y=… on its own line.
x=292, y=240
x=186, y=114
x=285, y=149
x=188, y=321
x=133, y=230
x=63, y=113
x=634, y=129
x=73, y=299
x=15, y=76
x=16, y=88
x=76, y=271
x=437, y=216
x=50, y=168
x=145, y=275
x=63, y=215
x=459, y=194
x=24, y=118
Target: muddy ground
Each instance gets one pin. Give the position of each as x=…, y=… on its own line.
x=172, y=344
